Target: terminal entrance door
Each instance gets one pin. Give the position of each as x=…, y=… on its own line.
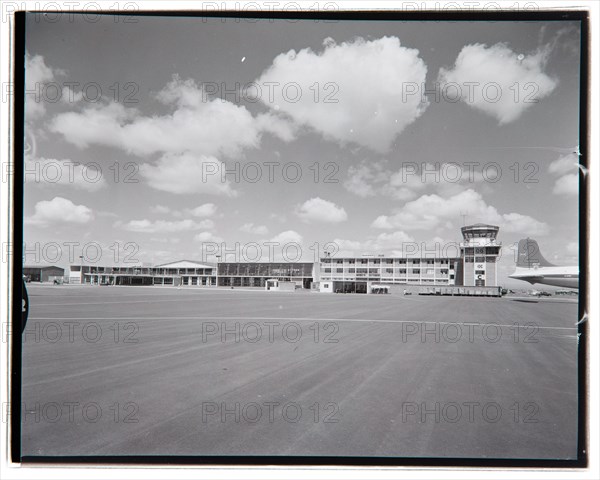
x=350, y=287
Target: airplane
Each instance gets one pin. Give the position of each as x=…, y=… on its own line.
x=532, y=267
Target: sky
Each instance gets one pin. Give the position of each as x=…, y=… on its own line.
x=169, y=138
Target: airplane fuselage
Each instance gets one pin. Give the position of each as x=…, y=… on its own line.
x=567, y=277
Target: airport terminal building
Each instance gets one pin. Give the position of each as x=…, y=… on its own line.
x=475, y=265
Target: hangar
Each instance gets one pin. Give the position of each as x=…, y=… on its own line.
x=47, y=273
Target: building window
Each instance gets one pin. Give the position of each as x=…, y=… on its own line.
x=429, y=271
x=328, y=270
x=479, y=272
x=339, y=270
x=351, y=262
x=363, y=261
x=352, y=270
x=389, y=261
x=469, y=259
x=416, y=271
x=339, y=261
x=389, y=270
x=402, y=271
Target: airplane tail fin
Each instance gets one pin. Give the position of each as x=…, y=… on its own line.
x=529, y=255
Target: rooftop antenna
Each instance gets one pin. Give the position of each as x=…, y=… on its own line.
x=464, y=217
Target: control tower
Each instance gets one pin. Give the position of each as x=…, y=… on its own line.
x=479, y=254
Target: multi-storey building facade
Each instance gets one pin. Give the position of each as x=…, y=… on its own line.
x=476, y=266
x=353, y=275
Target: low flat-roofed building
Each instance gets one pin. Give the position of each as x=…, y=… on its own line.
x=43, y=273
x=183, y=272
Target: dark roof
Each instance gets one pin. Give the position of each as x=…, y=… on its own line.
x=43, y=267
x=479, y=225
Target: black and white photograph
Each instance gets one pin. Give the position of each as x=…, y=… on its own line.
x=278, y=239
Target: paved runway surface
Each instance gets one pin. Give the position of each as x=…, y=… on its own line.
x=167, y=371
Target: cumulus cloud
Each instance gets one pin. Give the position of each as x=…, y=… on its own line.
x=365, y=178
x=50, y=171
x=567, y=168
x=498, y=81
x=161, y=209
x=254, y=229
x=196, y=124
x=432, y=211
x=318, y=210
x=351, y=92
x=564, y=164
x=369, y=179
x=59, y=210
x=166, y=226
x=187, y=173
x=288, y=236
x=567, y=185
x=204, y=210
x=70, y=96
x=404, y=183
x=37, y=76
x=385, y=242
x=206, y=237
